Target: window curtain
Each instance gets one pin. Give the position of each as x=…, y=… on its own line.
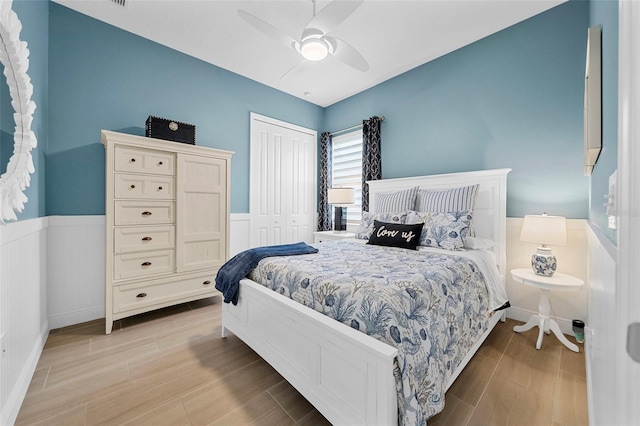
x=324, y=217
x=371, y=156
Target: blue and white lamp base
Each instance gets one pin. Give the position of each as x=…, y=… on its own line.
x=544, y=262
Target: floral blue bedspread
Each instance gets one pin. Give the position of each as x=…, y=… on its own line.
x=431, y=306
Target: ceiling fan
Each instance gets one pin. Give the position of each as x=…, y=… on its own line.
x=314, y=44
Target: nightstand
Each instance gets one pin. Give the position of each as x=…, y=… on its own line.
x=321, y=236
x=558, y=282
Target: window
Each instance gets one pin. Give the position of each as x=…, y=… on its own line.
x=347, y=169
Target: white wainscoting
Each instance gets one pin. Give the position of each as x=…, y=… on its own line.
x=600, y=333
x=75, y=268
x=572, y=259
x=76, y=265
x=24, y=324
x=239, y=233
x=52, y=275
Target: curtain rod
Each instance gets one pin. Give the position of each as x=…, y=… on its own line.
x=351, y=128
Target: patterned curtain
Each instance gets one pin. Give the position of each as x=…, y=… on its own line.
x=324, y=217
x=371, y=158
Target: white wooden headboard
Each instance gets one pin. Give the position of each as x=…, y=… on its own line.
x=490, y=213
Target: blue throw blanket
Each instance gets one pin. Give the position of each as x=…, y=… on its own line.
x=230, y=274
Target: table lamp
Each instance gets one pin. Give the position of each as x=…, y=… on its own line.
x=340, y=198
x=545, y=230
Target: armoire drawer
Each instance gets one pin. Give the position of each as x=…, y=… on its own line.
x=143, y=187
x=135, y=265
x=139, y=295
x=129, y=159
x=144, y=212
x=145, y=238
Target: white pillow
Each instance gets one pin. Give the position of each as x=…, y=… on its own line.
x=478, y=243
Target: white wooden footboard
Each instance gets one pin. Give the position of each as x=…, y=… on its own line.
x=345, y=374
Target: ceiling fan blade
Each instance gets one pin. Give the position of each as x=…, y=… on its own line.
x=348, y=54
x=333, y=14
x=267, y=29
x=296, y=69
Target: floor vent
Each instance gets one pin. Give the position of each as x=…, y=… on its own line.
x=122, y=3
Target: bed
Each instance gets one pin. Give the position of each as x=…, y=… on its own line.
x=347, y=375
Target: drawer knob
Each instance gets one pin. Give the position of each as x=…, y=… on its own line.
x=207, y=282
x=159, y=188
x=133, y=160
x=132, y=186
x=147, y=238
x=141, y=295
x=146, y=264
x=146, y=213
x=160, y=163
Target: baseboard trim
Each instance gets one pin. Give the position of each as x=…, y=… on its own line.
x=587, y=357
x=14, y=401
x=76, y=317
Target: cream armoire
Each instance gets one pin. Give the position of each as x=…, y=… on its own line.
x=167, y=222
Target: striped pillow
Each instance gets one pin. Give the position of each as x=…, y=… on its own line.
x=396, y=201
x=450, y=200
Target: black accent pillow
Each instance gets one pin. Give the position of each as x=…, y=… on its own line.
x=396, y=235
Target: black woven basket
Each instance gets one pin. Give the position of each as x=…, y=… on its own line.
x=170, y=130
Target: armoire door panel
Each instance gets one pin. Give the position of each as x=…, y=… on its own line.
x=195, y=222
x=203, y=254
x=201, y=226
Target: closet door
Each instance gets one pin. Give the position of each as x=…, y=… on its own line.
x=283, y=182
x=301, y=187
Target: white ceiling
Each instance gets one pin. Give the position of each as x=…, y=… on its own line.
x=393, y=35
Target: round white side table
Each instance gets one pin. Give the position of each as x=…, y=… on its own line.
x=558, y=281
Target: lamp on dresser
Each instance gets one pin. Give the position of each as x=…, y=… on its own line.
x=545, y=230
x=340, y=198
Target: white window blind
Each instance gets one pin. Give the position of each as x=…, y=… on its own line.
x=347, y=169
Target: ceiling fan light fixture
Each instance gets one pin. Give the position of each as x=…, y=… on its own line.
x=314, y=49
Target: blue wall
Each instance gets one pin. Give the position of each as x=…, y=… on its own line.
x=605, y=13
x=513, y=99
x=104, y=78
x=34, y=16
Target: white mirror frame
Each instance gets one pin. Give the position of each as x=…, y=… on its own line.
x=14, y=56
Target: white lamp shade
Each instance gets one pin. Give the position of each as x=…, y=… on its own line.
x=340, y=196
x=543, y=229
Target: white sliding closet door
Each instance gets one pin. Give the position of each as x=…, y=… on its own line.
x=283, y=182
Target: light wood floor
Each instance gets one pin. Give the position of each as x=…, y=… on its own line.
x=170, y=367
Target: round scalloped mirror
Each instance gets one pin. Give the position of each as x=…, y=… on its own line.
x=14, y=56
